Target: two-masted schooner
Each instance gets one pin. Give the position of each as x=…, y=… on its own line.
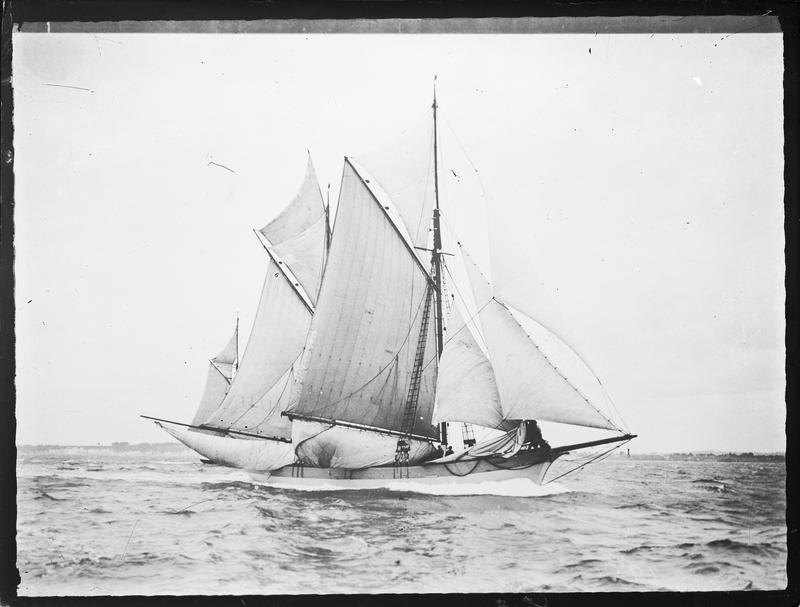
x=368, y=345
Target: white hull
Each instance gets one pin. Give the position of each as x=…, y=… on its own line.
x=526, y=465
x=247, y=453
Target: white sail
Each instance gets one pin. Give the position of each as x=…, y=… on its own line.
x=530, y=386
x=358, y=359
x=213, y=394
x=264, y=414
x=255, y=454
x=226, y=360
x=404, y=170
x=276, y=340
x=466, y=387
x=324, y=445
x=298, y=234
x=218, y=379
x=305, y=256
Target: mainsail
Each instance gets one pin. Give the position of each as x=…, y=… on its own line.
x=218, y=379
x=365, y=335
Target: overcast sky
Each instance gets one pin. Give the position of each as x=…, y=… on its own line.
x=643, y=173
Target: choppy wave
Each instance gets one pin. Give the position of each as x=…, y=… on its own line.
x=148, y=524
x=522, y=487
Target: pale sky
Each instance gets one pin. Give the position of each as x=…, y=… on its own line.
x=644, y=179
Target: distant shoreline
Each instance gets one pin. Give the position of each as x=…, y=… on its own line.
x=124, y=447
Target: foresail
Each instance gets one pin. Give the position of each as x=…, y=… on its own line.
x=361, y=348
x=466, y=387
x=276, y=340
x=530, y=386
x=298, y=234
x=215, y=391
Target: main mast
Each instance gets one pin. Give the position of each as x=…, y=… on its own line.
x=437, y=250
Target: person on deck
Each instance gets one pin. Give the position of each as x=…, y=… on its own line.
x=533, y=435
x=449, y=450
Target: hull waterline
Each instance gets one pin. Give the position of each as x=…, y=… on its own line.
x=525, y=465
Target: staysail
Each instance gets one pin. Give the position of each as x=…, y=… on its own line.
x=218, y=379
x=530, y=386
x=466, y=389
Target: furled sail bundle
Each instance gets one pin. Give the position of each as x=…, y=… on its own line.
x=372, y=323
x=218, y=379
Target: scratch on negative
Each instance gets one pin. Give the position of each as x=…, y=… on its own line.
x=747, y=29
x=222, y=166
x=129, y=538
x=66, y=86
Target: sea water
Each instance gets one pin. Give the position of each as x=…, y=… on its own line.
x=98, y=521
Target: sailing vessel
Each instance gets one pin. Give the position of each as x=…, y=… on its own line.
x=240, y=424
x=398, y=345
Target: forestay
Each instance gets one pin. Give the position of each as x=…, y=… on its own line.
x=361, y=347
